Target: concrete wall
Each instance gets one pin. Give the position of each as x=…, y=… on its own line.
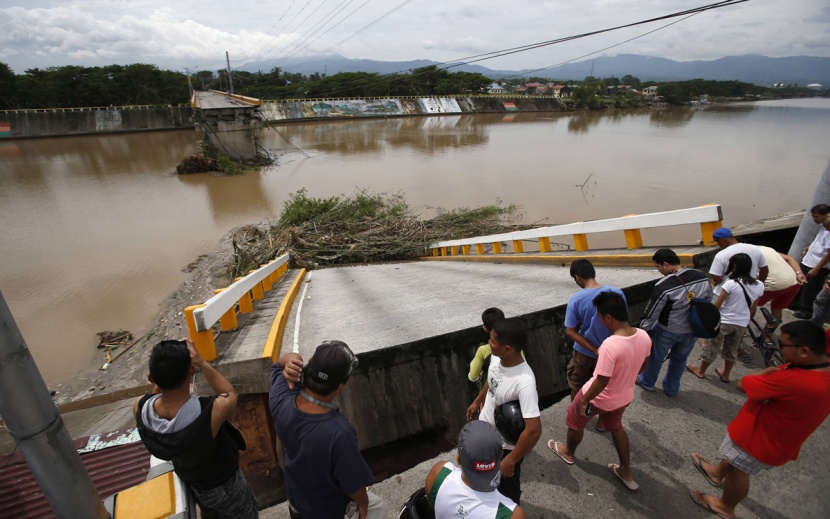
x=43, y=123
x=407, y=390
x=326, y=109
x=79, y=121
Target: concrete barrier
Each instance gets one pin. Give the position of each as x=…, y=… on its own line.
x=16, y=124
x=410, y=389
x=82, y=121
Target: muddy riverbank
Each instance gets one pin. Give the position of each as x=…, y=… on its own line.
x=127, y=373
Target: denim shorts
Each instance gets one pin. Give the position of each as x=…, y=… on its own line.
x=232, y=499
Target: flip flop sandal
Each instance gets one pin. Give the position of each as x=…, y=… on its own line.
x=698, y=463
x=691, y=369
x=720, y=376
x=631, y=485
x=700, y=500
x=554, y=446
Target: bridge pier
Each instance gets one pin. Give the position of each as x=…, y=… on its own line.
x=236, y=138
x=229, y=122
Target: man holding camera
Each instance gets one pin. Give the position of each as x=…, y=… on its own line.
x=325, y=474
x=194, y=432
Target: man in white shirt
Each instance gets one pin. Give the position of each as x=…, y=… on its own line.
x=730, y=246
x=814, y=262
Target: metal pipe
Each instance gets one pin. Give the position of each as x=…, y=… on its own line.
x=808, y=229
x=34, y=422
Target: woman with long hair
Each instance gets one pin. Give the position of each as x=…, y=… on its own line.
x=734, y=301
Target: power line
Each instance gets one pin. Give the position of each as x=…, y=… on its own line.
x=494, y=54
x=315, y=29
x=359, y=31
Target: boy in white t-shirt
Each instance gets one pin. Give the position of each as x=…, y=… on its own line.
x=510, y=379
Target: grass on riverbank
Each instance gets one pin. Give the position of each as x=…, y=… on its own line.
x=361, y=227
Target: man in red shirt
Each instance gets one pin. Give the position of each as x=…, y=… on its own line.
x=784, y=406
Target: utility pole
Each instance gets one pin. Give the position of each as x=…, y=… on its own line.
x=189, y=84
x=808, y=229
x=34, y=422
x=230, y=79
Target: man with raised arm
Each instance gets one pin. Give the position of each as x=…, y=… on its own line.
x=325, y=473
x=195, y=432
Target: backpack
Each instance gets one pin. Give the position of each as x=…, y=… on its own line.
x=704, y=316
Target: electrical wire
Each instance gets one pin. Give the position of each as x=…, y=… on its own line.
x=314, y=30
x=494, y=54
x=359, y=31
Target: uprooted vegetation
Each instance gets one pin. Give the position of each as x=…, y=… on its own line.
x=211, y=159
x=361, y=228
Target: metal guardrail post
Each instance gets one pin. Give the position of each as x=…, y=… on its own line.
x=202, y=341
x=35, y=424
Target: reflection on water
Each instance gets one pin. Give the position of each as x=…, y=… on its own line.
x=95, y=230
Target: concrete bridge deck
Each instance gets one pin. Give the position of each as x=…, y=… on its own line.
x=377, y=306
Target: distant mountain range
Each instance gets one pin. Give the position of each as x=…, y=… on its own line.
x=750, y=68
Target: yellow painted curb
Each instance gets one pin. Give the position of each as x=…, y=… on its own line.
x=604, y=260
x=273, y=344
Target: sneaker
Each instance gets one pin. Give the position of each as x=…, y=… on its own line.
x=639, y=383
x=802, y=315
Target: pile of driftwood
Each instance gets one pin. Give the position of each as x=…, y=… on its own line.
x=110, y=340
x=114, y=339
x=364, y=228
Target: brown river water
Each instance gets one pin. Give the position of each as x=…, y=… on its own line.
x=95, y=230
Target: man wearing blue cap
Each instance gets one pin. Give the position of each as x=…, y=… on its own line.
x=730, y=246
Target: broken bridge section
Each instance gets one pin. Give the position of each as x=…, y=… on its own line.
x=229, y=121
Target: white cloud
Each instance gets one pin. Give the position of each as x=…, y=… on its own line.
x=197, y=33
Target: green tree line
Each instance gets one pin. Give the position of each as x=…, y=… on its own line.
x=75, y=86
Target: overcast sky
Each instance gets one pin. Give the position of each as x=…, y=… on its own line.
x=196, y=34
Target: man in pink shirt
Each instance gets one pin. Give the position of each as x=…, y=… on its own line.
x=622, y=357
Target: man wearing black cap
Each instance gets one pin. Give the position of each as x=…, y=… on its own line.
x=325, y=474
x=471, y=492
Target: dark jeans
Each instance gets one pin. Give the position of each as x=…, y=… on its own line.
x=512, y=487
x=811, y=289
x=231, y=500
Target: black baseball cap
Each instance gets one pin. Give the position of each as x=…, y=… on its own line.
x=332, y=363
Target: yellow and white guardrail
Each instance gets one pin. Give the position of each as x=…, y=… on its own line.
x=708, y=216
x=222, y=306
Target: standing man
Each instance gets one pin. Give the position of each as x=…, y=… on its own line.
x=784, y=405
x=814, y=261
x=783, y=282
x=730, y=246
x=667, y=317
x=194, y=433
x=325, y=474
x=510, y=379
x=583, y=325
x=622, y=357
